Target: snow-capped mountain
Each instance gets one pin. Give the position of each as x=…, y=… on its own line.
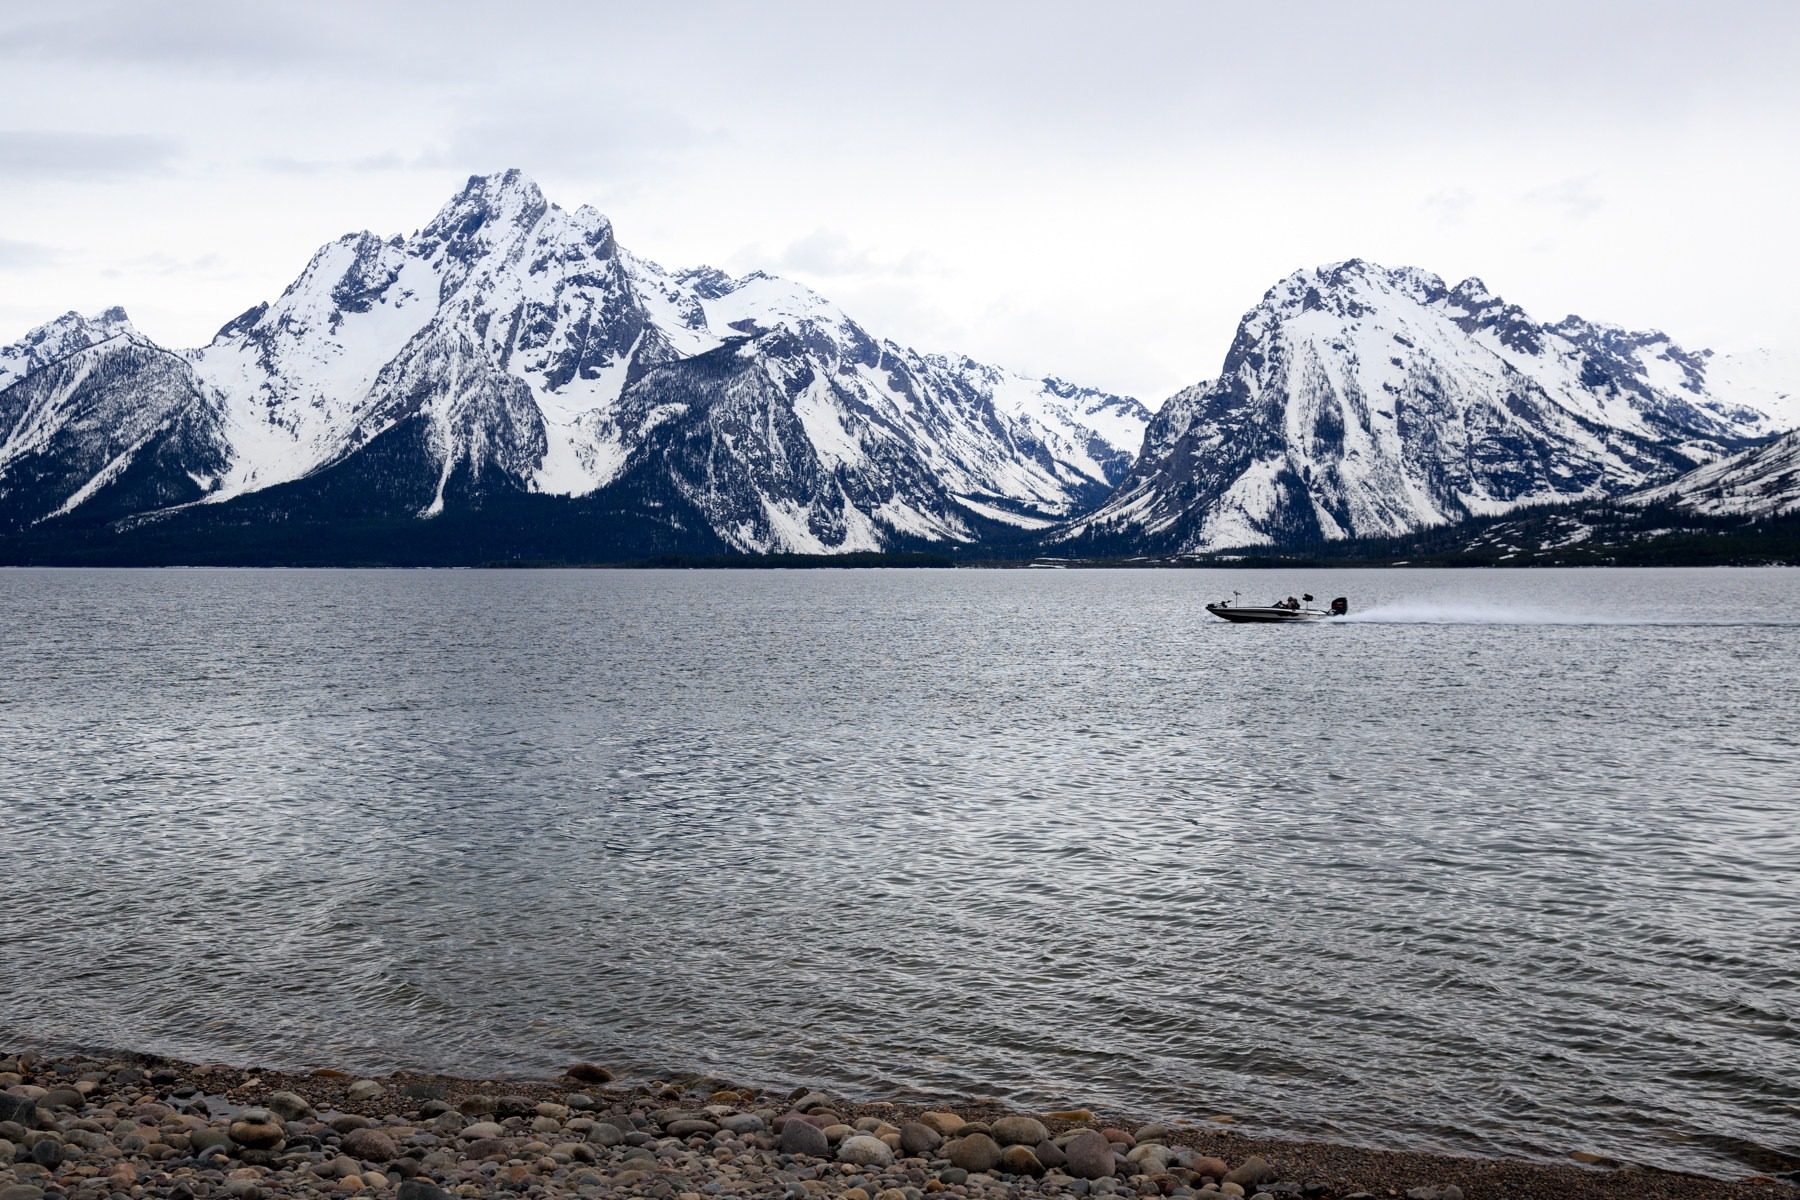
x=1758, y=483
x=512, y=347
x=95, y=416
x=1359, y=401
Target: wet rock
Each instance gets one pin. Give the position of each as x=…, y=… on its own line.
x=811, y=1100
x=953, y=1176
x=21, y=1109
x=1090, y=1156
x=476, y=1105
x=975, y=1152
x=689, y=1126
x=1156, y=1131
x=1020, y=1131
x=364, y=1090
x=47, y=1154
x=918, y=1139
x=803, y=1137
x=370, y=1145
x=61, y=1098
x=1050, y=1154
x=1020, y=1160
x=866, y=1151
x=1252, y=1171
x=585, y=1073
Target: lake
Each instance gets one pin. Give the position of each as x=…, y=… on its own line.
x=1507, y=863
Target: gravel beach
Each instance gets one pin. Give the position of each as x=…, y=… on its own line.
x=82, y=1128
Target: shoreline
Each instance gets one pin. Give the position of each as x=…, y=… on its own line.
x=122, y=1126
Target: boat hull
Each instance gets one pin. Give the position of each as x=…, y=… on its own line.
x=1267, y=616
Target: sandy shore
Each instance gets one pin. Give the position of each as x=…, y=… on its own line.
x=76, y=1128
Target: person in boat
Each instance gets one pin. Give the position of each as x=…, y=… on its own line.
x=1292, y=605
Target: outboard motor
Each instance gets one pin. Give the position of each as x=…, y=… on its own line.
x=1340, y=606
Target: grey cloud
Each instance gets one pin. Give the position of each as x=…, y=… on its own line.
x=1575, y=198
x=827, y=253
x=33, y=154
x=14, y=254
x=232, y=35
x=584, y=135
x=1451, y=207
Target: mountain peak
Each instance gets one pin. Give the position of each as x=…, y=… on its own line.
x=59, y=338
x=487, y=205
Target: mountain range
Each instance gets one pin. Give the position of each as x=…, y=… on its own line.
x=511, y=349
x=511, y=383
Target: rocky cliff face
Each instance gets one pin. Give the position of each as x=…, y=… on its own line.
x=1359, y=401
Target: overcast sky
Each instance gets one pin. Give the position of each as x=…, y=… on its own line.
x=1097, y=190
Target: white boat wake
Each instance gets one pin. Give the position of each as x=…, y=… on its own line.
x=1430, y=612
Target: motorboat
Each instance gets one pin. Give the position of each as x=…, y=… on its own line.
x=1282, y=612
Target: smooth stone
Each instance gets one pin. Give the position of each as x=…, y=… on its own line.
x=976, y=1152
x=483, y=1129
x=363, y=1090
x=1204, y=1164
x=942, y=1123
x=370, y=1145
x=1050, y=1154
x=1228, y=1188
x=866, y=1151
x=918, y=1139
x=812, y=1100
x=1075, y=1116
x=22, y=1109
x=21, y=1191
x=1119, y=1135
x=1019, y=1160
x=288, y=1105
x=1250, y=1172
x=1020, y=1131
x=689, y=1127
x=253, y=1134
x=61, y=1098
x=742, y=1123
x=586, y=1073
x=803, y=1137
x=1156, y=1131
x=471, y=1106
x=953, y=1176
x=605, y=1134
x=205, y=1139
x=1090, y=1156
x=47, y=1154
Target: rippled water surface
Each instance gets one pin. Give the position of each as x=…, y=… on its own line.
x=1509, y=863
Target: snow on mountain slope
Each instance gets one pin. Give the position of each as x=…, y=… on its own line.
x=506, y=337
x=1760, y=482
x=109, y=424
x=1359, y=401
x=1766, y=380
